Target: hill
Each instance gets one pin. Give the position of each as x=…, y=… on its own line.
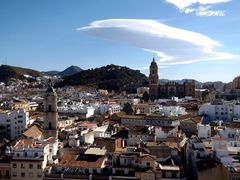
x=67, y=72
x=70, y=71
x=110, y=77
x=51, y=73
x=12, y=72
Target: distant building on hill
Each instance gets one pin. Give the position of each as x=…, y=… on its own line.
x=169, y=89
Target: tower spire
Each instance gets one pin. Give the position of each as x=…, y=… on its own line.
x=153, y=57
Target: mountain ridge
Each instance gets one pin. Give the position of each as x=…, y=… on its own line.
x=66, y=72
x=8, y=72
x=110, y=77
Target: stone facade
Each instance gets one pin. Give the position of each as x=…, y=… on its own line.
x=168, y=89
x=50, y=114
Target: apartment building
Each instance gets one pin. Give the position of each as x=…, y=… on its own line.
x=15, y=122
x=30, y=158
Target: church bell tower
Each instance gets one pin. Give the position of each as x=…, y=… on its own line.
x=50, y=114
x=153, y=80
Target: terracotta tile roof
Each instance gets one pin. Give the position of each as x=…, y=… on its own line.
x=50, y=140
x=148, y=158
x=108, y=143
x=33, y=132
x=24, y=143
x=185, y=116
x=31, y=143
x=87, y=124
x=132, y=117
x=81, y=160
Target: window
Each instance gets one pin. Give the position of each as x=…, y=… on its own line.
x=22, y=165
x=36, y=154
x=148, y=163
x=174, y=175
x=94, y=171
x=14, y=165
x=39, y=166
x=50, y=126
x=14, y=174
x=39, y=175
x=23, y=174
x=7, y=173
x=30, y=174
x=30, y=166
x=49, y=107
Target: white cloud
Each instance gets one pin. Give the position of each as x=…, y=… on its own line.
x=210, y=13
x=172, y=45
x=182, y=4
x=189, y=10
x=199, y=7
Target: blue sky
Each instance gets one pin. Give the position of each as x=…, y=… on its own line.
x=196, y=39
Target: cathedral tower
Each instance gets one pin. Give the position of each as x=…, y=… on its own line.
x=50, y=114
x=153, y=80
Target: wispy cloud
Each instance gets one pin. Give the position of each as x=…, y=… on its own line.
x=199, y=7
x=172, y=45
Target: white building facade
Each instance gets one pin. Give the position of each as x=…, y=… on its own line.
x=15, y=121
x=220, y=110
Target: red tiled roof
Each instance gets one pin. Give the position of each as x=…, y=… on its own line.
x=71, y=160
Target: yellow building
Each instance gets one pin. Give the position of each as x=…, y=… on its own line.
x=18, y=104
